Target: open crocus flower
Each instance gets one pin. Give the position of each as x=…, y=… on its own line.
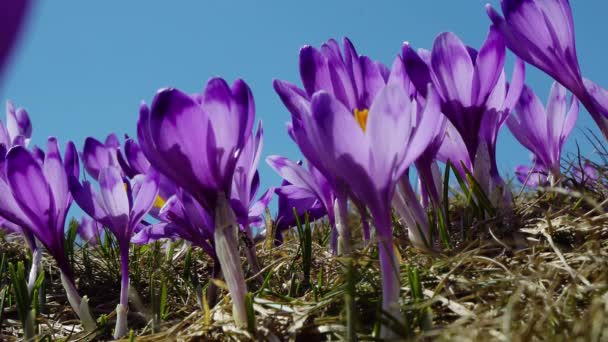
x=354, y=80
x=42, y=193
x=474, y=96
x=544, y=130
x=12, y=15
x=196, y=141
x=541, y=32
x=120, y=206
x=369, y=156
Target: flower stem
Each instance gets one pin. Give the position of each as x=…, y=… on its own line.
x=80, y=306
x=389, y=269
x=123, y=306
x=226, y=246
x=344, y=234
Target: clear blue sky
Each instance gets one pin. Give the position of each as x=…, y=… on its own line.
x=82, y=67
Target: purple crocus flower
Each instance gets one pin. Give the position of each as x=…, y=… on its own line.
x=532, y=176
x=354, y=80
x=369, y=156
x=42, y=193
x=12, y=15
x=417, y=66
x=196, y=141
x=474, y=95
x=18, y=129
x=544, y=130
x=302, y=200
x=541, y=32
x=120, y=206
x=587, y=174
x=89, y=230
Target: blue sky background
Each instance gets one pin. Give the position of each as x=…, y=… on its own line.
x=82, y=67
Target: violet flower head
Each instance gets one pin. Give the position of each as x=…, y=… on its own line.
x=541, y=32
x=18, y=129
x=369, y=156
x=354, y=80
x=42, y=193
x=119, y=205
x=196, y=140
x=470, y=83
x=12, y=16
x=310, y=181
x=544, y=130
x=532, y=176
x=303, y=201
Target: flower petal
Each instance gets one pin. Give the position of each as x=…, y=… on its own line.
x=115, y=199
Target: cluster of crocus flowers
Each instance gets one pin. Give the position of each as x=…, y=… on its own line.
x=361, y=127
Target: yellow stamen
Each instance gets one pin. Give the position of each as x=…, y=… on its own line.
x=361, y=117
x=159, y=202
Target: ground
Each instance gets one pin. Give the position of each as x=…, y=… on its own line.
x=536, y=272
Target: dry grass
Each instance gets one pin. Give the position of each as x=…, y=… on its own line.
x=539, y=273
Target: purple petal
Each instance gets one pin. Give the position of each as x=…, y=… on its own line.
x=89, y=230
x=488, y=67
x=145, y=196
x=115, y=200
x=452, y=69
x=135, y=157
x=17, y=122
x=55, y=173
x=31, y=191
x=314, y=71
x=96, y=156
x=294, y=98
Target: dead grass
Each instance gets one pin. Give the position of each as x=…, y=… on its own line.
x=539, y=273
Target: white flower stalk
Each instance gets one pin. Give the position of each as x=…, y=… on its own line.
x=226, y=246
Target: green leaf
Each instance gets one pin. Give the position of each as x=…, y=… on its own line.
x=251, y=325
